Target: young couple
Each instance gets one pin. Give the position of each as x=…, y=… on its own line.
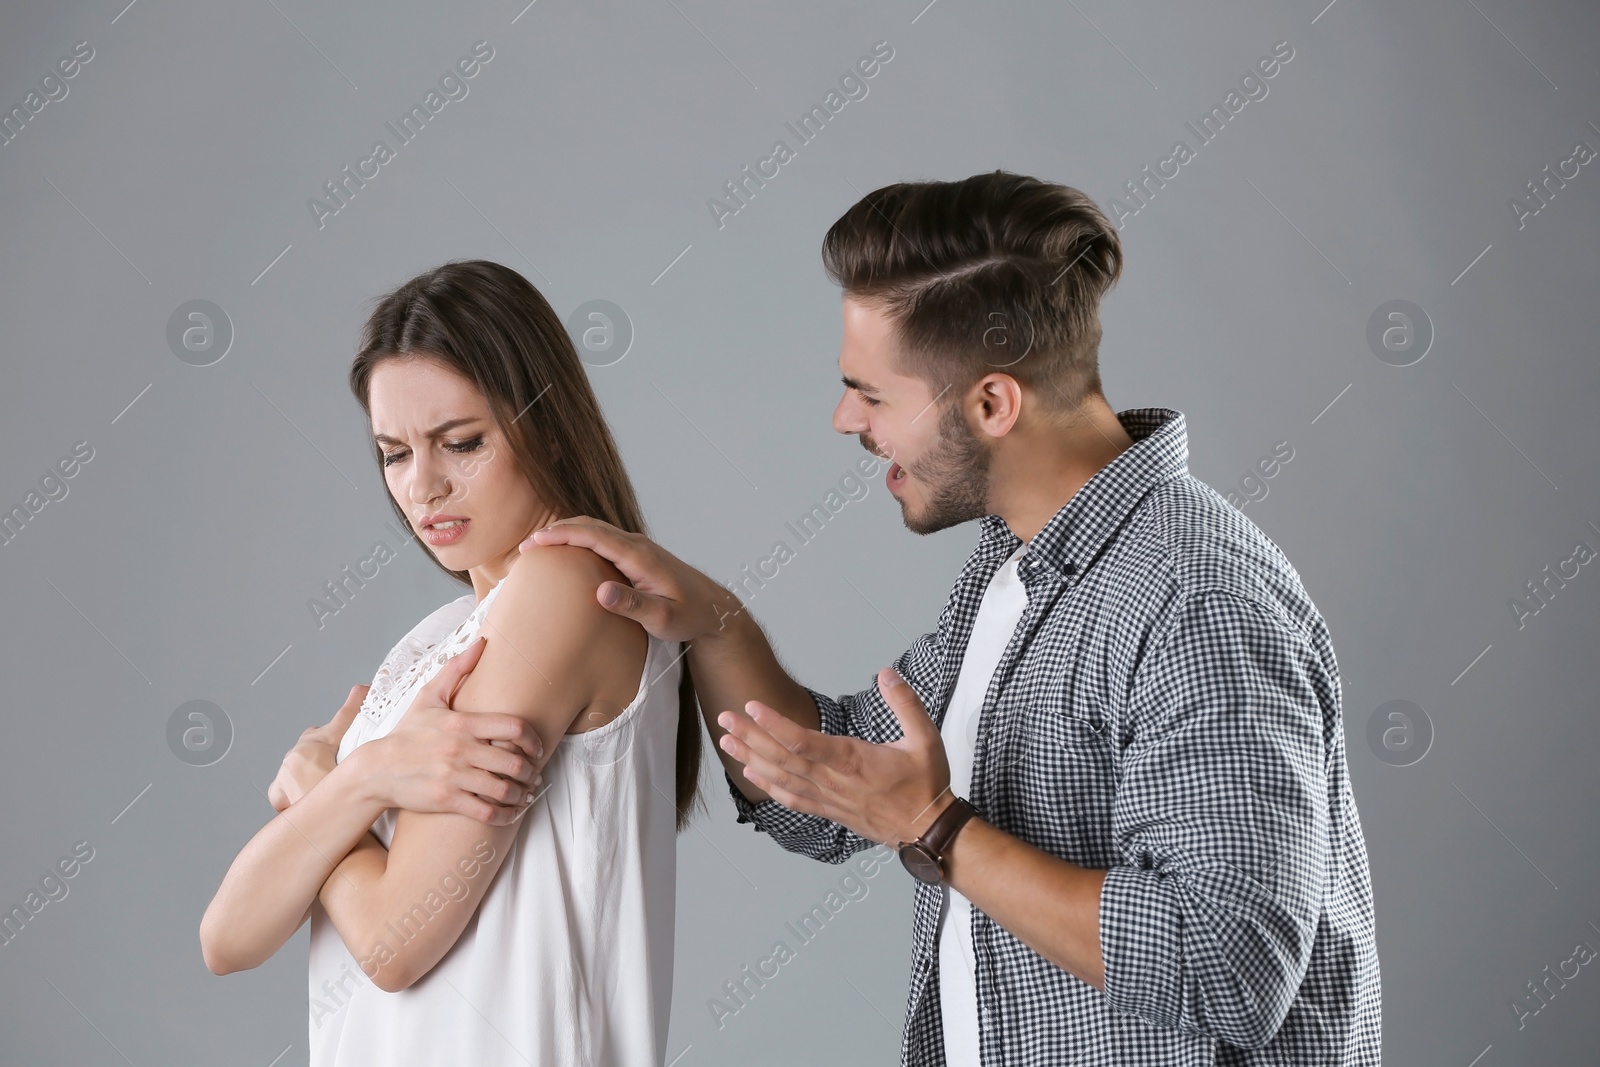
x=1115, y=767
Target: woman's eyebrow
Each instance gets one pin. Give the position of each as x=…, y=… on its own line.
x=383, y=438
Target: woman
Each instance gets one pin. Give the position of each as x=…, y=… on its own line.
x=539, y=931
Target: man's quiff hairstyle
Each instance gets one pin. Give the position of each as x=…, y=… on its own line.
x=996, y=272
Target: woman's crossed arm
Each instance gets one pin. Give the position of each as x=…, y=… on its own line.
x=436, y=759
x=537, y=662
x=552, y=651
x=268, y=890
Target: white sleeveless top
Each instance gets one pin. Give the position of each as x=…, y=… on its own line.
x=568, y=959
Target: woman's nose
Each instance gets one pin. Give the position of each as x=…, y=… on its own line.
x=428, y=482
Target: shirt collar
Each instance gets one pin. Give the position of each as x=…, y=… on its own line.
x=1074, y=535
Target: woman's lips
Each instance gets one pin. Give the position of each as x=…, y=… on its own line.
x=446, y=533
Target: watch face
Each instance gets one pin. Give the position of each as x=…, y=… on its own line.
x=921, y=863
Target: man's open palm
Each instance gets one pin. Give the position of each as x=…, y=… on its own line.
x=888, y=793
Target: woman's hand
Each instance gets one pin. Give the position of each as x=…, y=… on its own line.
x=480, y=764
x=314, y=755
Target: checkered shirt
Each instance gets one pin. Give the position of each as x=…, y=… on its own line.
x=1167, y=710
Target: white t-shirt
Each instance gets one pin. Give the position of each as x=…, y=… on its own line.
x=568, y=959
x=1003, y=603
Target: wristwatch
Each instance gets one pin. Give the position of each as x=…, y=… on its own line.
x=924, y=857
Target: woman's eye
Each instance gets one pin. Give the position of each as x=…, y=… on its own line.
x=871, y=403
x=471, y=445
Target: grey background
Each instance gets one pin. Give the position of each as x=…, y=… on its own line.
x=1420, y=499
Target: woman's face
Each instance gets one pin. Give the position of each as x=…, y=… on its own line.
x=448, y=465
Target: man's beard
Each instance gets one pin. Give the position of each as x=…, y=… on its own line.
x=954, y=474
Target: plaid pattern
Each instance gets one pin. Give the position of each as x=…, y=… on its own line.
x=1167, y=710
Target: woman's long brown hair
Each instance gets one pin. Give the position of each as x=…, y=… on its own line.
x=490, y=325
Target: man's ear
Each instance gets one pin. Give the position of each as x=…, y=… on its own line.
x=999, y=403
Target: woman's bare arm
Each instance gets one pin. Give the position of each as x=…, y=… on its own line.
x=729, y=655
x=480, y=765
x=550, y=653
x=270, y=886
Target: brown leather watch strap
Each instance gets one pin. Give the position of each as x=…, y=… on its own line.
x=936, y=839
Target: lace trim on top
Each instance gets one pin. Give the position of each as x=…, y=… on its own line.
x=416, y=654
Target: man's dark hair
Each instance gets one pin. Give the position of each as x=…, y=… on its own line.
x=996, y=272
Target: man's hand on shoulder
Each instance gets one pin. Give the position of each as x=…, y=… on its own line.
x=644, y=582
x=552, y=652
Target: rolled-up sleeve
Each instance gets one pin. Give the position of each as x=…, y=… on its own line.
x=1221, y=821
x=864, y=715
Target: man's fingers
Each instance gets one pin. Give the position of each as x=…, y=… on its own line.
x=650, y=611
x=751, y=744
x=626, y=554
x=789, y=799
x=820, y=758
x=807, y=744
x=557, y=532
x=775, y=780
x=597, y=535
x=643, y=562
x=760, y=737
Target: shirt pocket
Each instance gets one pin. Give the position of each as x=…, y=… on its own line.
x=1027, y=737
x=1065, y=728
x=1067, y=784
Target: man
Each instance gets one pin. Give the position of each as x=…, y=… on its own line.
x=1117, y=764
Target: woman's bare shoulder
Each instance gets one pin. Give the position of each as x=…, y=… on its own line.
x=548, y=597
x=559, y=575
